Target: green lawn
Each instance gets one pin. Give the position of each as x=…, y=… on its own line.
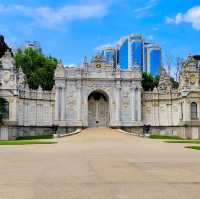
x=178, y=140
x=26, y=142
x=193, y=147
x=166, y=137
x=184, y=141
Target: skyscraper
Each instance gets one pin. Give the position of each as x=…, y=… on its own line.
x=123, y=53
x=109, y=53
x=33, y=45
x=130, y=52
x=153, y=58
x=134, y=51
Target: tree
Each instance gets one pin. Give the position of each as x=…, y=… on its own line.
x=178, y=68
x=3, y=46
x=169, y=60
x=38, y=68
x=175, y=84
x=149, y=82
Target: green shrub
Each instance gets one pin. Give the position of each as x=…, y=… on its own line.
x=38, y=137
x=193, y=147
x=184, y=141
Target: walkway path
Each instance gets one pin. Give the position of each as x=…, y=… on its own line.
x=100, y=164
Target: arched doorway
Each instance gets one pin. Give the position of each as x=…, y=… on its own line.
x=98, y=109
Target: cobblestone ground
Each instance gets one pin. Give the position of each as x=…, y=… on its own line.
x=100, y=164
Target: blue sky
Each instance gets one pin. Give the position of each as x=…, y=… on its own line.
x=70, y=30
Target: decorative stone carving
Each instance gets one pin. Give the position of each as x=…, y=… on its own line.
x=165, y=82
x=7, y=61
x=21, y=78
x=60, y=71
x=190, y=75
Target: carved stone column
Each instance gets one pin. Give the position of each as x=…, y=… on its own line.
x=63, y=104
x=14, y=110
x=79, y=102
x=133, y=103
x=186, y=111
x=57, y=103
x=139, y=104
x=118, y=104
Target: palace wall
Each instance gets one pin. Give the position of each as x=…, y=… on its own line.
x=161, y=109
x=167, y=110
x=35, y=108
x=31, y=112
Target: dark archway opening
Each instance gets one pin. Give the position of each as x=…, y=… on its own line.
x=98, y=109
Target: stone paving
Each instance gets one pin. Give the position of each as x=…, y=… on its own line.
x=100, y=164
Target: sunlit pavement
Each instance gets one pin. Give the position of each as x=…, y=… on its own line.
x=100, y=164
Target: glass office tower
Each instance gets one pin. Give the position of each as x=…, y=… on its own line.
x=155, y=61
x=109, y=53
x=35, y=45
x=145, y=57
x=123, y=53
x=137, y=48
x=153, y=58
x=130, y=52
x=134, y=51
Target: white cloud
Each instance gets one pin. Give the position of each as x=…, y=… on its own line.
x=142, y=9
x=51, y=16
x=191, y=16
x=145, y=11
x=169, y=20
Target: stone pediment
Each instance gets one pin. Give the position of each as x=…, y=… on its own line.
x=165, y=82
x=60, y=71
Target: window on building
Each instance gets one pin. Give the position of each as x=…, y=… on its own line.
x=4, y=109
x=181, y=111
x=193, y=110
x=1, y=65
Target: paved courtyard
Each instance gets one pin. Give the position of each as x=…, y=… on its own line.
x=100, y=164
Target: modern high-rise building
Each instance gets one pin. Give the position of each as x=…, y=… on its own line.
x=153, y=58
x=130, y=51
x=123, y=53
x=134, y=51
x=109, y=53
x=33, y=45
